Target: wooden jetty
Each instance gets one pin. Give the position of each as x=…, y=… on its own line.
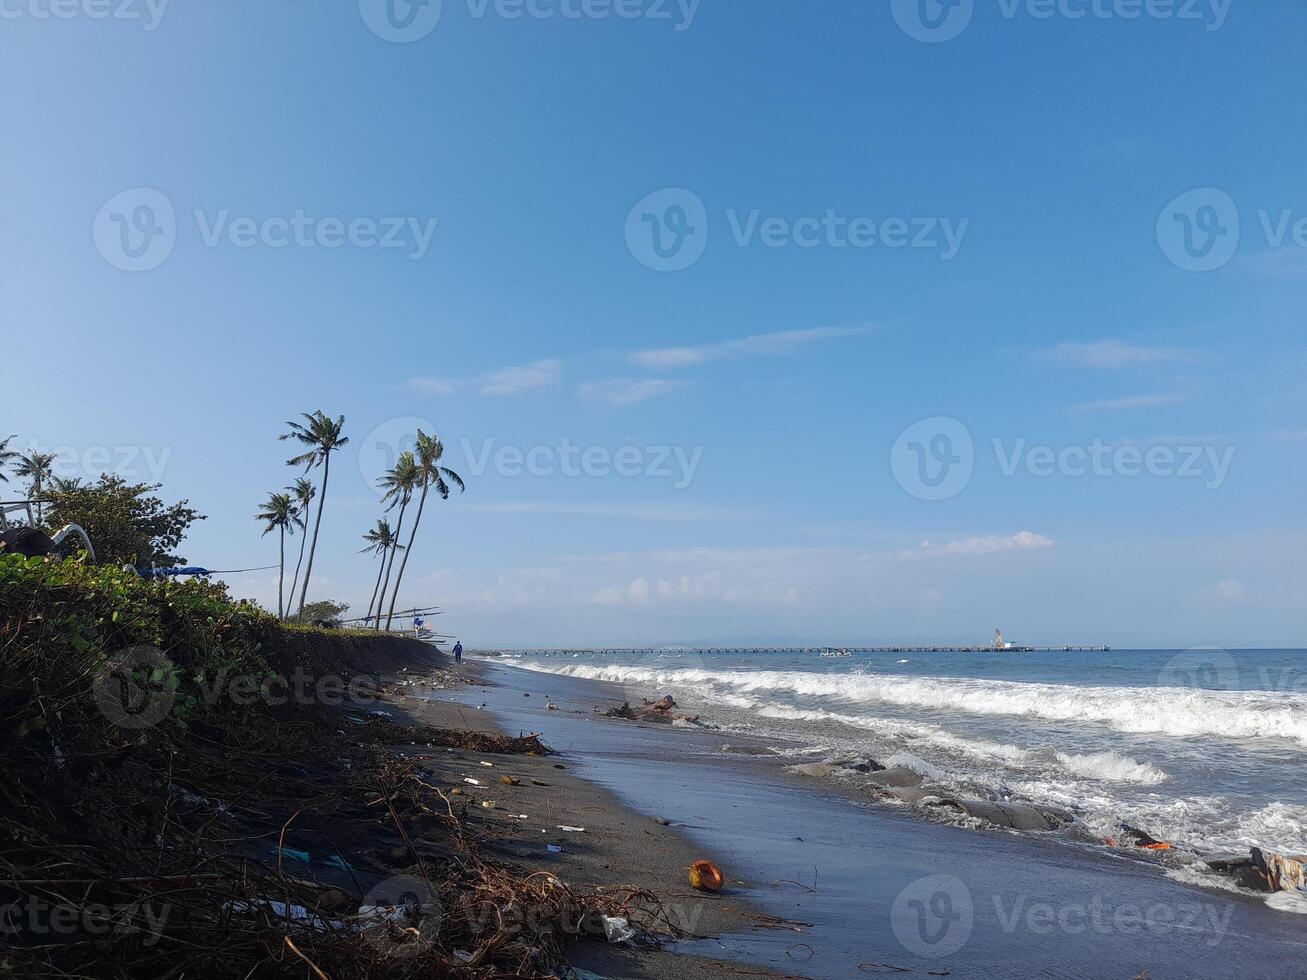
x=797, y=651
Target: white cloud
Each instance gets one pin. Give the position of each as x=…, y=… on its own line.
x=1129, y=402
x=505, y=381
x=994, y=544
x=628, y=391
x=1111, y=354
x=778, y=342
x=1227, y=590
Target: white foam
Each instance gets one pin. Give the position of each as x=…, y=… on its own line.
x=1165, y=711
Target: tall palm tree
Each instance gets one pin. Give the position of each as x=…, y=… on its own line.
x=279, y=515
x=302, y=493
x=379, y=542
x=429, y=450
x=7, y=456
x=399, y=483
x=323, y=437
x=37, y=467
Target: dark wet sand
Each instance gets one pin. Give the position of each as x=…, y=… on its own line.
x=878, y=889
x=619, y=846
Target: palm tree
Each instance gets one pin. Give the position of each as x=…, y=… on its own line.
x=379, y=541
x=429, y=450
x=303, y=493
x=323, y=436
x=38, y=467
x=279, y=514
x=7, y=456
x=399, y=484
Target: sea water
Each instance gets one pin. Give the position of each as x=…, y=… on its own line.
x=1202, y=748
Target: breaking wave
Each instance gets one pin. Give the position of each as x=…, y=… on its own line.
x=1173, y=712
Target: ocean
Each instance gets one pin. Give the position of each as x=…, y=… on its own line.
x=1202, y=748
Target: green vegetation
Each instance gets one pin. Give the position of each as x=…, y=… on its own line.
x=128, y=523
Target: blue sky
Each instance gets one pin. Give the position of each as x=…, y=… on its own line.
x=965, y=234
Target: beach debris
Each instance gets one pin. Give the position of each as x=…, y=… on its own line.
x=658, y=712
x=617, y=929
x=706, y=877
x=510, y=780
x=488, y=765
x=1143, y=839
x=471, y=781
x=538, y=782
x=551, y=706
x=662, y=821
x=1265, y=871
x=571, y=830
x=554, y=848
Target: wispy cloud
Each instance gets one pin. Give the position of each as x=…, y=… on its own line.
x=763, y=344
x=1114, y=354
x=991, y=545
x=1128, y=402
x=505, y=381
x=628, y=391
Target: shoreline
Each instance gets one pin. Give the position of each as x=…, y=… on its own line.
x=620, y=846
x=864, y=862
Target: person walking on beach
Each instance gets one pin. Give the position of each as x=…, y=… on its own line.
x=458, y=652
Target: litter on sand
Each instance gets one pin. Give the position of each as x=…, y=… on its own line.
x=706, y=877
x=571, y=830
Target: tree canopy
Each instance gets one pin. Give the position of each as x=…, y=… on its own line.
x=127, y=522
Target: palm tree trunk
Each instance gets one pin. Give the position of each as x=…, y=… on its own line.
x=36, y=490
x=422, y=502
x=399, y=526
x=376, y=589
x=281, y=576
x=317, y=524
x=304, y=537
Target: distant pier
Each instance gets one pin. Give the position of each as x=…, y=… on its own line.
x=744, y=651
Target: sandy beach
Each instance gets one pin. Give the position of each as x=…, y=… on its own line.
x=844, y=873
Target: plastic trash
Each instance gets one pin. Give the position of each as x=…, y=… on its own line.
x=706, y=877
x=571, y=830
x=510, y=780
x=554, y=848
x=469, y=779
x=617, y=929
